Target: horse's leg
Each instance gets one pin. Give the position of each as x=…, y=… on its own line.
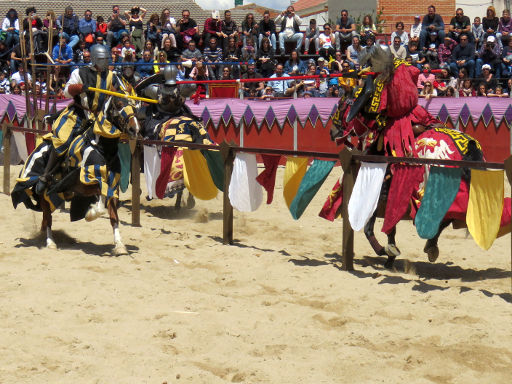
x=179, y=196
x=46, y=224
x=191, y=202
x=119, y=248
x=370, y=235
x=391, y=249
x=431, y=248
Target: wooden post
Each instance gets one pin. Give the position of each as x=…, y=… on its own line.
x=135, y=149
x=227, y=212
x=7, y=159
x=508, y=172
x=23, y=51
x=48, y=69
x=349, y=170
x=34, y=77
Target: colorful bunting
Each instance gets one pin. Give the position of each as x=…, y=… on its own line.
x=442, y=187
x=293, y=173
x=309, y=186
x=485, y=206
x=405, y=180
x=267, y=178
x=365, y=195
x=216, y=167
x=197, y=175
x=245, y=194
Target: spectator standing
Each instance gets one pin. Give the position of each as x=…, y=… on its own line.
x=68, y=25
x=116, y=27
x=505, y=27
x=135, y=23
x=267, y=28
x=229, y=29
x=265, y=58
x=345, y=30
x=462, y=57
x=213, y=54
x=311, y=35
x=459, y=24
x=87, y=28
x=168, y=27
x=477, y=30
x=290, y=28
x=249, y=29
x=281, y=88
x=353, y=52
x=212, y=27
x=433, y=25
x=414, y=35
x=187, y=30
x=326, y=41
x=397, y=49
x=401, y=33
x=11, y=28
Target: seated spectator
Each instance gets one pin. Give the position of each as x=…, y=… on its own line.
x=19, y=77
x=448, y=78
x=414, y=34
x=417, y=57
x=488, y=78
x=252, y=88
x=249, y=50
x=161, y=59
x=68, y=25
x=187, y=30
x=490, y=54
x=11, y=28
x=334, y=70
x=345, y=30
x=463, y=75
x=354, y=51
x=505, y=27
x=425, y=76
x=37, y=30
x=431, y=51
x=213, y=54
x=171, y=52
x=135, y=22
x=481, y=90
x=290, y=28
x=477, y=31
x=498, y=92
x=226, y=73
x=281, y=88
x=5, y=57
x=168, y=28
x=15, y=89
x=87, y=28
x=444, y=52
x=432, y=25
x=401, y=33
x=506, y=60
x=149, y=46
x=153, y=29
x=233, y=53
x=462, y=57
x=459, y=24
x=200, y=72
x=490, y=22
x=348, y=82
x=294, y=66
x=116, y=27
x=367, y=28
x=78, y=54
x=509, y=87
x=229, y=29
x=268, y=94
x=428, y=91
x=212, y=27
x=323, y=85
x=450, y=92
x=311, y=35
x=267, y=28
x=127, y=48
x=4, y=83
x=145, y=65
x=249, y=29
x=326, y=41
x=467, y=90
x=397, y=49
x=440, y=85
x=191, y=53
x=62, y=52
x=265, y=58
x=101, y=28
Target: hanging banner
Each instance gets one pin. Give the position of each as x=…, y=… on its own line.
x=245, y=194
x=197, y=175
x=293, y=173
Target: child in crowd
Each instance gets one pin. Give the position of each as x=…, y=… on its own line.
x=128, y=48
x=101, y=27
x=467, y=89
x=4, y=83
x=478, y=32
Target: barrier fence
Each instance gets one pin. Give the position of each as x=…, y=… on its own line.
x=349, y=161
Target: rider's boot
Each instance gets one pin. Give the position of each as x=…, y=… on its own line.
x=45, y=178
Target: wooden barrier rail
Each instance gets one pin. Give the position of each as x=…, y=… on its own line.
x=347, y=158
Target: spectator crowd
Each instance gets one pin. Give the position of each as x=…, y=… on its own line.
x=471, y=58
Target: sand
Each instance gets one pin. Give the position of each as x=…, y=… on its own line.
x=273, y=308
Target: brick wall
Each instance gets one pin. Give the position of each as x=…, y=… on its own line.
x=398, y=10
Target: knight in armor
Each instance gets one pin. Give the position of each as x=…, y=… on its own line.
x=85, y=107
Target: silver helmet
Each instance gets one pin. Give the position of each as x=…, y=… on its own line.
x=170, y=74
x=100, y=57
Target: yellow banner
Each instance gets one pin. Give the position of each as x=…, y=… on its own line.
x=294, y=172
x=197, y=175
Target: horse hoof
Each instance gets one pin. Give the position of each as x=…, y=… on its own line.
x=392, y=250
x=432, y=253
x=120, y=250
x=389, y=262
x=191, y=202
x=50, y=244
x=93, y=213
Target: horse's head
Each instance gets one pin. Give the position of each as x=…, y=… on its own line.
x=122, y=114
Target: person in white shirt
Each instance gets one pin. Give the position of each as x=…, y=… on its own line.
x=290, y=23
x=327, y=40
x=414, y=35
x=11, y=28
x=19, y=77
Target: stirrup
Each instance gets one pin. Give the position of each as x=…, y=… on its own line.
x=42, y=184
